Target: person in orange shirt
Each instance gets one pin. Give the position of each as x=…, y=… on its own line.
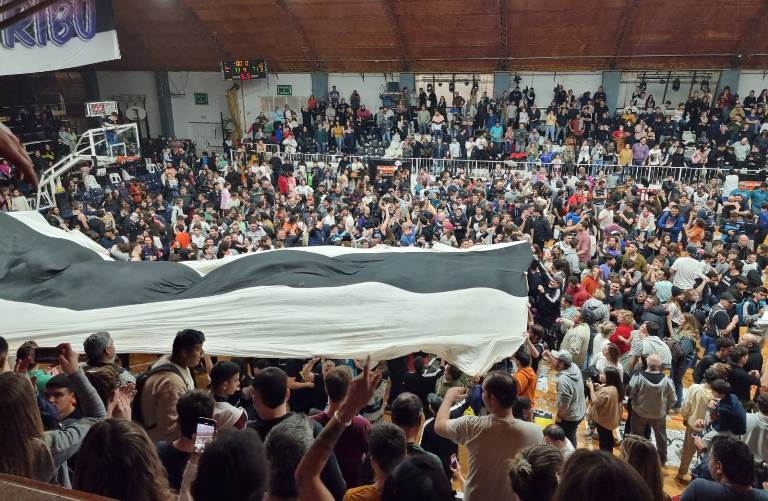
x=695, y=232
x=593, y=281
x=182, y=243
x=525, y=376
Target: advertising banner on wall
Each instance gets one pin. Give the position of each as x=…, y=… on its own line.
x=67, y=34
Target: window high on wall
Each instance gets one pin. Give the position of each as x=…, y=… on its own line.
x=462, y=84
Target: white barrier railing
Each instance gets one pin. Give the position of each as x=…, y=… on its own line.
x=646, y=174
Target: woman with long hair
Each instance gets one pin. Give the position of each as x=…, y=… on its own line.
x=534, y=472
x=118, y=460
x=643, y=457
x=606, y=406
x=687, y=337
x=608, y=358
x=596, y=476
x=28, y=450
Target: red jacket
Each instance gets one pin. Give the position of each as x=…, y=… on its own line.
x=579, y=295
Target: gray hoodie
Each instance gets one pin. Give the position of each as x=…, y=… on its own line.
x=64, y=443
x=652, y=394
x=570, y=394
x=756, y=436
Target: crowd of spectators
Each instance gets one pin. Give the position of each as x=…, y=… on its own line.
x=724, y=131
x=310, y=430
x=633, y=287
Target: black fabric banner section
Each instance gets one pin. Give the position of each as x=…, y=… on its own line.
x=54, y=272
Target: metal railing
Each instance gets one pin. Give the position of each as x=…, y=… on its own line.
x=645, y=174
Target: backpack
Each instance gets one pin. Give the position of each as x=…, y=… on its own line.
x=673, y=342
x=141, y=381
x=710, y=328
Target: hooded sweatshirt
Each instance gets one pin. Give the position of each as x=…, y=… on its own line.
x=756, y=436
x=652, y=394
x=570, y=394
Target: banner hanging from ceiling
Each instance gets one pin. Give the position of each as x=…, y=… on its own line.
x=67, y=34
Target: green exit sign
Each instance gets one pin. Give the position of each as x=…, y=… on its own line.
x=285, y=90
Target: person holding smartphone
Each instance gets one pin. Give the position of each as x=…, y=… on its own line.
x=28, y=450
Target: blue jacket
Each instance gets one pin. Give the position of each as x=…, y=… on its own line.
x=676, y=228
x=762, y=220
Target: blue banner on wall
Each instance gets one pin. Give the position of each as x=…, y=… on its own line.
x=67, y=34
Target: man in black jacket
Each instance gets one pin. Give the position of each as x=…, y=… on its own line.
x=742, y=380
x=723, y=348
x=541, y=229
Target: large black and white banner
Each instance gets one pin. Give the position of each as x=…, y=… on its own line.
x=67, y=34
x=469, y=307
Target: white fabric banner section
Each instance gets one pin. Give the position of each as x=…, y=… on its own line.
x=76, y=52
x=205, y=267
x=473, y=328
x=35, y=221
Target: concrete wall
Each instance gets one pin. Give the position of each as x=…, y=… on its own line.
x=544, y=83
x=201, y=123
x=369, y=86
x=114, y=83
x=756, y=80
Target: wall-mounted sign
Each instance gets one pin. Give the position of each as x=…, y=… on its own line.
x=61, y=35
x=201, y=98
x=285, y=90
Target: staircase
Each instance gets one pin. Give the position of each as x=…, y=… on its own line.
x=98, y=148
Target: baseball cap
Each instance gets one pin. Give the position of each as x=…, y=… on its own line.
x=562, y=355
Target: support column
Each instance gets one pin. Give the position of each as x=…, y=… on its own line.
x=500, y=82
x=91, y=84
x=164, y=102
x=408, y=80
x=611, y=85
x=728, y=78
x=319, y=85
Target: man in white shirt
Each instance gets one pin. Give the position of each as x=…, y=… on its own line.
x=491, y=440
x=686, y=270
x=605, y=217
x=347, y=220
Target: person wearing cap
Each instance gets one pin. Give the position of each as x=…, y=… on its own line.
x=571, y=402
x=719, y=323
x=653, y=395
x=99, y=351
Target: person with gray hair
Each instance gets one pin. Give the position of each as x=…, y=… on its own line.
x=286, y=444
x=99, y=351
x=652, y=394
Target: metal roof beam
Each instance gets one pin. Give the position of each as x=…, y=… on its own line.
x=503, y=35
x=626, y=17
x=306, y=47
x=390, y=13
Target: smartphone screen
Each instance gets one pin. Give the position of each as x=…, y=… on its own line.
x=46, y=355
x=206, y=429
x=454, y=461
